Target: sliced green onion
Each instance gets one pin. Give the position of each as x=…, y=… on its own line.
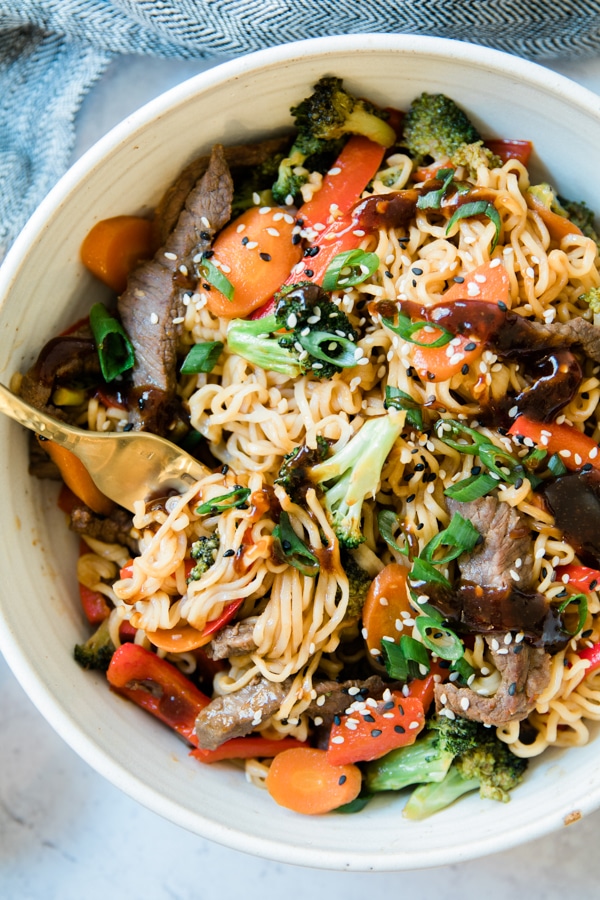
x=397, y=399
x=439, y=638
x=535, y=456
x=406, y=329
x=433, y=199
x=424, y=572
x=209, y=272
x=202, y=358
x=472, y=488
x=313, y=343
x=464, y=669
x=223, y=502
x=355, y=805
x=293, y=549
x=388, y=522
x=350, y=268
x=405, y=660
x=580, y=600
x=556, y=465
x=115, y=350
x=460, y=536
x=477, y=208
x=498, y=460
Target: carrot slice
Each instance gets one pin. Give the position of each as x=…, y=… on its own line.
x=256, y=254
x=387, y=598
x=304, y=781
x=489, y=283
x=77, y=478
x=114, y=247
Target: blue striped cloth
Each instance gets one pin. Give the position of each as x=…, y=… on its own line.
x=51, y=52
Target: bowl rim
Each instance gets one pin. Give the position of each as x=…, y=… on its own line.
x=41, y=694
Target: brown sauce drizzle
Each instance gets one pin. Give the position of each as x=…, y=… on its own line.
x=574, y=501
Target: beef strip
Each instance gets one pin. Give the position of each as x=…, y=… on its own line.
x=116, y=528
x=576, y=331
x=333, y=697
x=238, y=158
x=232, y=640
x=237, y=714
x=525, y=674
x=152, y=302
x=506, y=539
x=63, y=360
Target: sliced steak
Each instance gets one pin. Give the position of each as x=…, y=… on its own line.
x=64, y=359
x=334, y=697
x=506, y=540
x=525, y=674
x=232, y=640
x=238, y=158
x=577, y=331
x=152, y=302
x=239, y=713
x=117, y=528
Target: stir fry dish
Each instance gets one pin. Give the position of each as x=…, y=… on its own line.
x=382, y=338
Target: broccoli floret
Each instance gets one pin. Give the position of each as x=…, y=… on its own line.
x=359, y=582
x=436, y=129
x=581, y=215
x=474, y=155
x=592, y=298
x=97, y=651
x=353, y=473
x=293, y=476
x=204, y=551
x=255, y=184
x=545, y=194
x=306, y=333
x=427, y=760
x=322, y=120
x=488, y=766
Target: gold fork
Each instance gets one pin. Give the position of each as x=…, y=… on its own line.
x=125, y=465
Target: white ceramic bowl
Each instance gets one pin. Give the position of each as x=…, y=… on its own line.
x=44, y=288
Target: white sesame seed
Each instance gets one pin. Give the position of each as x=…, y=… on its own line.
x=448, y=713
x=169, y=255
x=464, y=703
x=273, y=232
x=251, y=245
x=242, y=227
x=514, y=575
x=320, y=700
x=414, y=725
x=205, y=222
x=264, y=210
x=529, y=272
x=338, y=739
x=178, y=320
x=335, y=171
x=256, y=198
x=183, y=269
x=153, y=319
x=318, y=720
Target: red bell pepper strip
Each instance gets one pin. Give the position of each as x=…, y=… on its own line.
x=423, y=688
x=579, y=578
x=507, y=149
x=158, y=687
x=247, y=748
x=574, y=448
x=357, y=164
x=592, y=654
x=373, y=731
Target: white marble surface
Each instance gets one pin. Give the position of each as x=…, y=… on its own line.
x=67, y=834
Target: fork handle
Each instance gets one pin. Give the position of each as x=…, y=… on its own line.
x=36, y=420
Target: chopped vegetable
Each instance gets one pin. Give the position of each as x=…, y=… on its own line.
x=185, y=638
x=249, y=747
x=113, y=248
x=580, y=578
x=256, y=254
x=202, y=358
x=373, y=731
x=115, y=350
x=386, y=606
x=574, y=448
x=77, y=478
x=158, y=687
x=305, y=781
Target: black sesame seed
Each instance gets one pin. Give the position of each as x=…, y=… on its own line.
x=208, y=254
x=458, y=279
x=266, y=257
x=342, y=779
x=465, y=369
x=410, y=498
x=224, y=469
x=286, y=546
x=311, y=251
x=512, y=690
x=389, y=705
x=388, y=274
x=518, y=483
x=309, y=273
x=417, y=271
x=587, y=633
x=368, y=718
x=502, y=305
x=475, y=470
x=471, y=346
x=296, y=238
x=593, y=584
x=205, y=235
x=419, y=467
x=229, y=553
x=206, y=286
x=245, y=240
x=336, y=720
x=587, y=467
x=399, y=729
x=400, y=710
x=128, y=427
x=518, y=648
x=414, y=283
x=420, y=525
x=375, y=732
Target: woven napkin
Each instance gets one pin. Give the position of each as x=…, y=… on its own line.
x=52, y=51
